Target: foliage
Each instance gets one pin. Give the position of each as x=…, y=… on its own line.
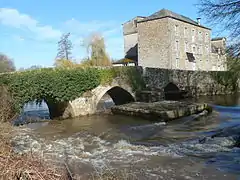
x=6, y=64
x=6, y=105
x=231, y=77
x=96, y=50
x=61, y=84
x=64, y=63
x=86, y=62
x=225, y=13
x=50, y=84
x=131, y=75
x=226, y=78
x=64, y=47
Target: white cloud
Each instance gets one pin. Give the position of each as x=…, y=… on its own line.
x=31, y=29
x=13, y=18
x=88, y=27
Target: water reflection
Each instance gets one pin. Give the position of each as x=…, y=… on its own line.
x=223, y=100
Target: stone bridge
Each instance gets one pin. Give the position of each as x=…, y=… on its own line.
x=121, y=93
x=159, y=81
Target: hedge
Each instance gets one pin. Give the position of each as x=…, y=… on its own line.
x=62, y=85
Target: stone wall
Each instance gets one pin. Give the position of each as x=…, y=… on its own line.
x=130, y=45
x=153, y=43
x=194, y=82
x=190, y=38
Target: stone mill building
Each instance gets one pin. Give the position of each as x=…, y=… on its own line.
x=171, y=41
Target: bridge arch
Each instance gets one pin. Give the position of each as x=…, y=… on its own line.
x=171, y=87
x=118, y=94
x=87, y=104
x=172, y=91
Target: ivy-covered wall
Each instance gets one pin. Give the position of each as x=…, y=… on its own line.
x=57, y=86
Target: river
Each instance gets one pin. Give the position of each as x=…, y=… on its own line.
x=181, y=149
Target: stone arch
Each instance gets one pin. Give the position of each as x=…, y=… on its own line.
x=172, y=91
x=171, y=87
x=59, y=109
x=87, y=103
x=118, y=94
x=56, y=110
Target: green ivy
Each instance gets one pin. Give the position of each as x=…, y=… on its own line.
x=226, y=78
x=61, y=85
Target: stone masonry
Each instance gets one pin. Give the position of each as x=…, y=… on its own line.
x=172, y=41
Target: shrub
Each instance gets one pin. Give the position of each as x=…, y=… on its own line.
x=6, y=105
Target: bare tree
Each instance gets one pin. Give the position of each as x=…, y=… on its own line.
x=6, y=64
x=225, y=13
x=64, y=47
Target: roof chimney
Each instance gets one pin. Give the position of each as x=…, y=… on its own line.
x=199, y=21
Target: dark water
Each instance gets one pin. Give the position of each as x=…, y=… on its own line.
x=205, y=143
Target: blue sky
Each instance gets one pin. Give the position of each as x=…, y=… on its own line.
x=30, y=29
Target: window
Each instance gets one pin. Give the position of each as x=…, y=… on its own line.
x=200, y=36
x=177, y=45
x=177, y=62
x=176, y=30
x=177, y=48
x=207, y=49
x=193, y=35
x=185, y=32
x=200, y=49
x=186, y=46
x=193, y=49
x=206, y=37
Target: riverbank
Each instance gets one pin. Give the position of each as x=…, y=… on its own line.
x=14, y=166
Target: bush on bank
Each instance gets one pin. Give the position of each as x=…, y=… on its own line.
x=228, y=79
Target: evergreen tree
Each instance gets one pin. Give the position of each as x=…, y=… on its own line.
x=64, y=47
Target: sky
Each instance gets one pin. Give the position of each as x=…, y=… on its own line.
x=30, y=29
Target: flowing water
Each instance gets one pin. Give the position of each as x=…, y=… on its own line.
x=195, y=147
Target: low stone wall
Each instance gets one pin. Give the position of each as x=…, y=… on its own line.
x=195, y=83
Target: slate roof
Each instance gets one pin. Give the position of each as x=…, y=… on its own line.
x=218, y=38
x=167, y=13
